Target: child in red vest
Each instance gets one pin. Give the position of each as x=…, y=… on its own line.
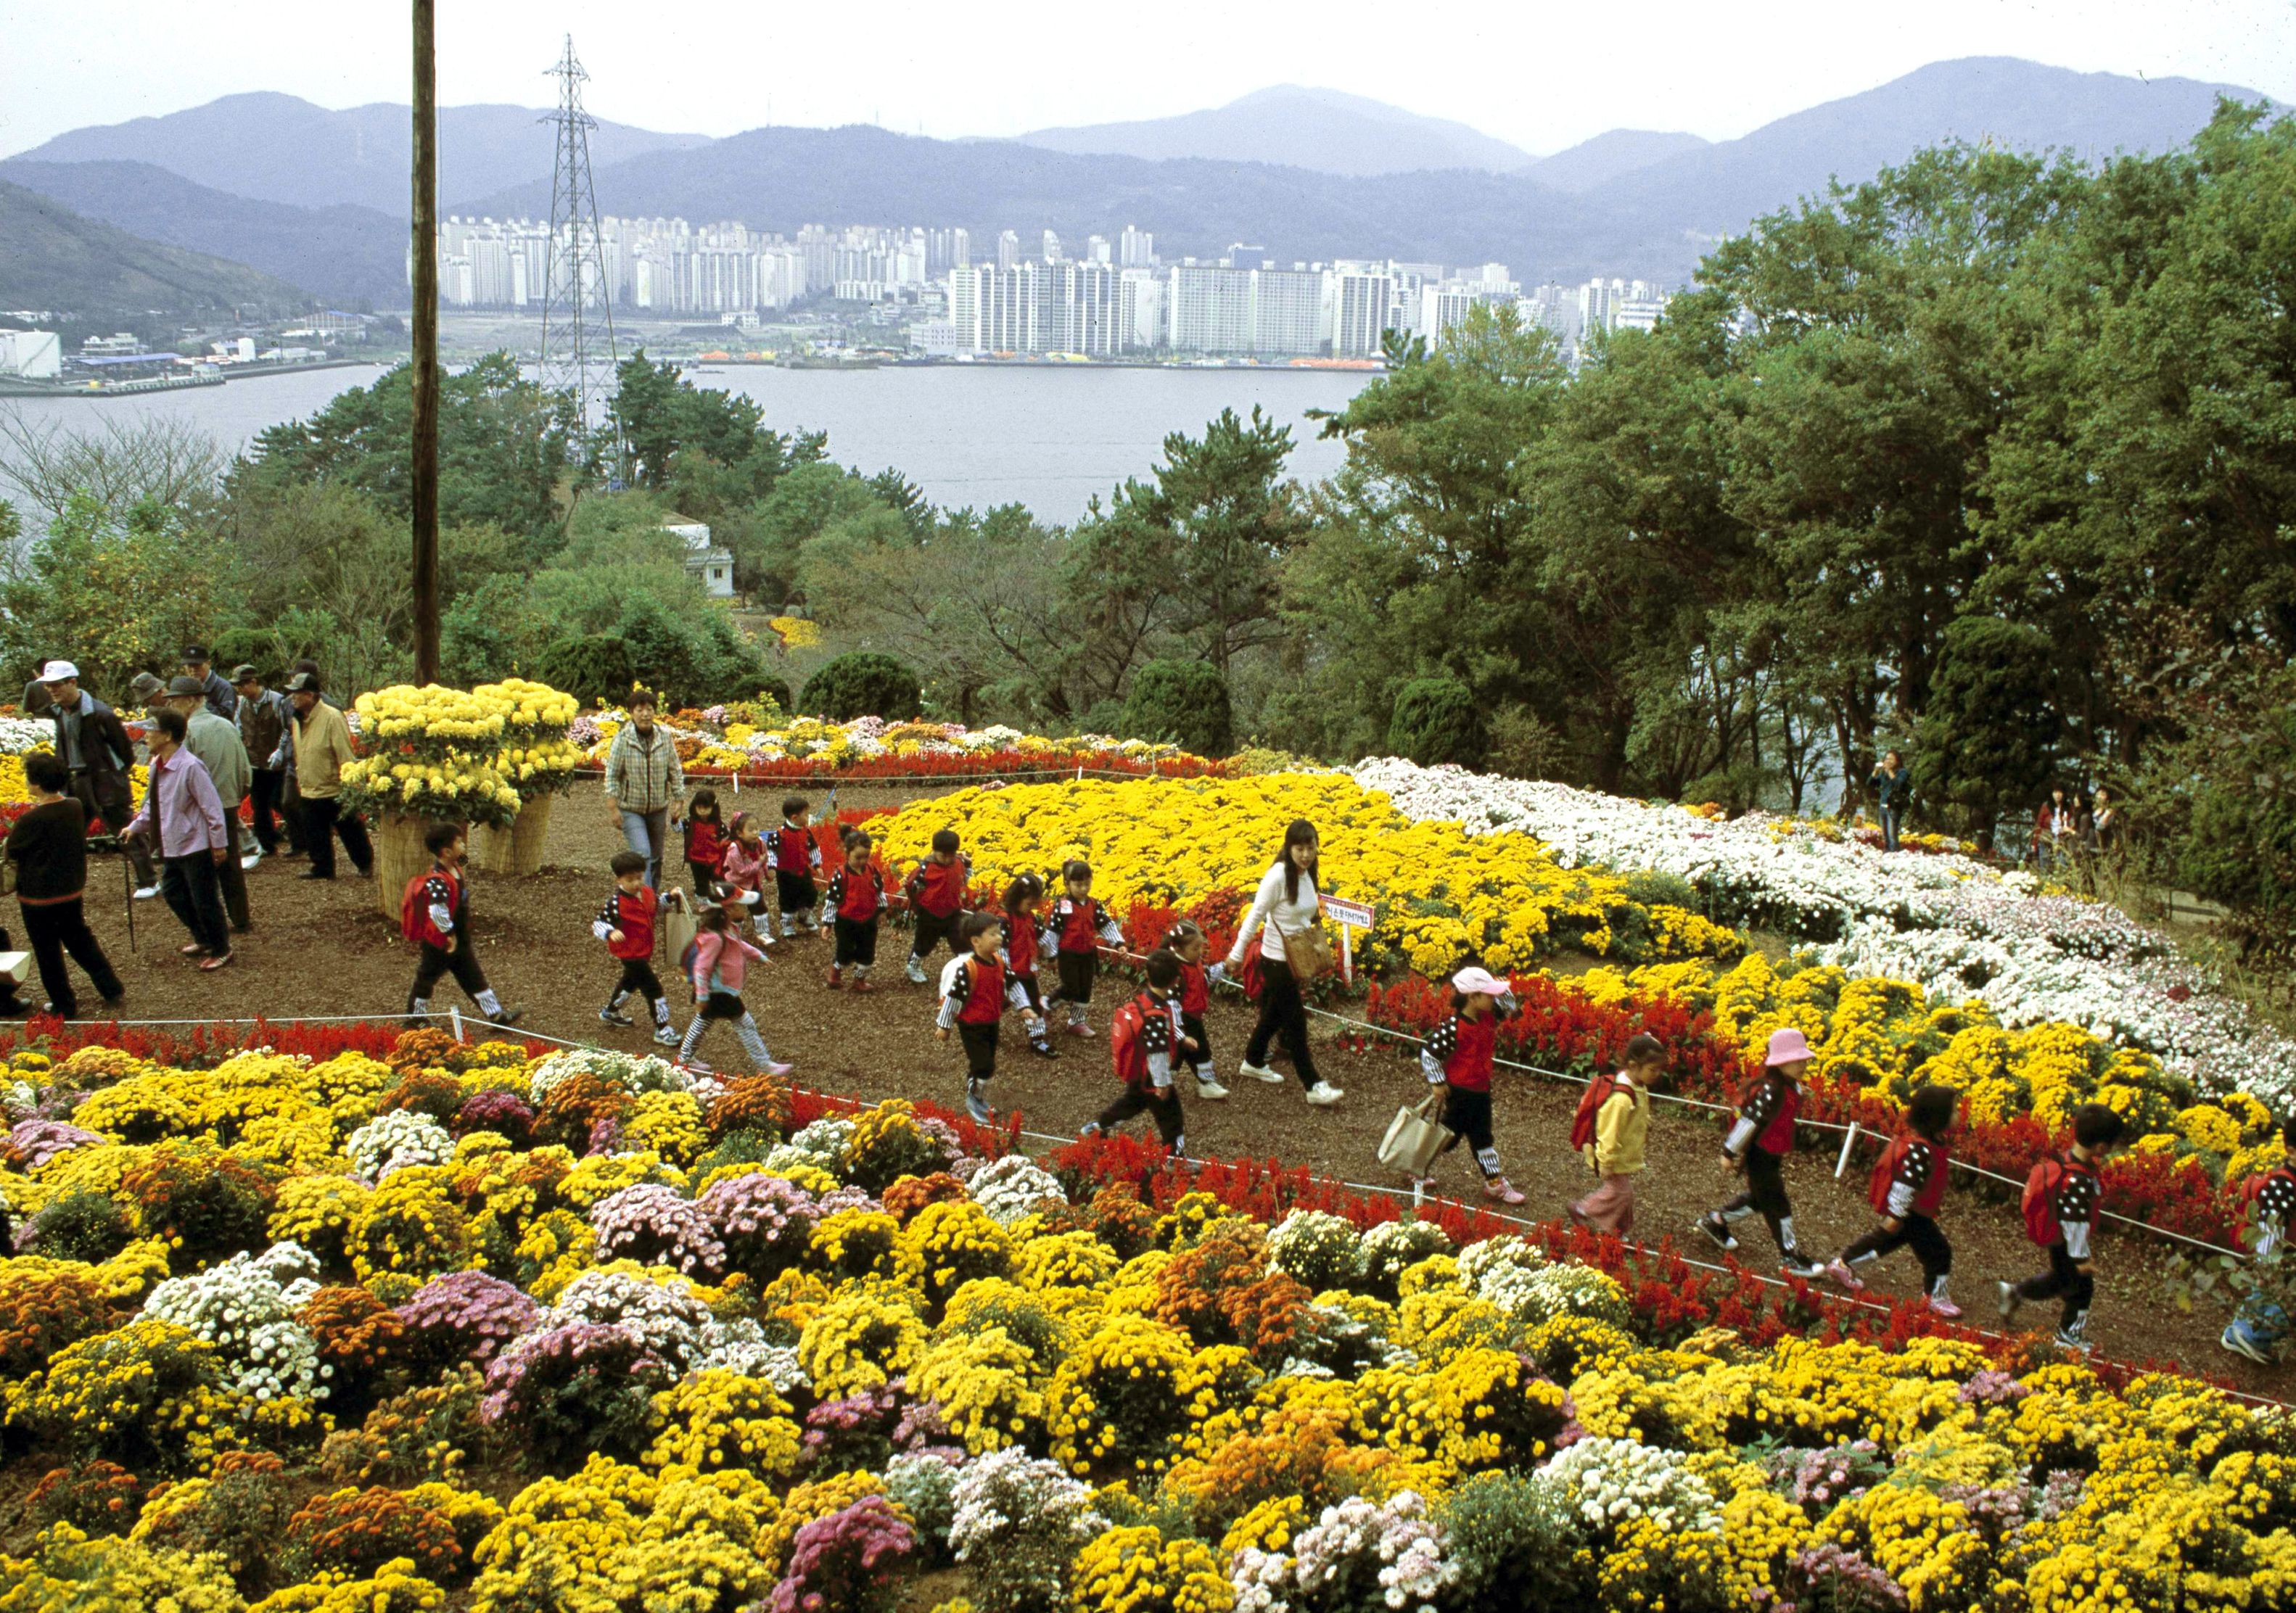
x=1143, y=1039
x=796, y=859
x=1906, y=1189
x=435, y=913
x=2261, y=1324
x=705, y=843
x=973, y=1003
x=625, y=924
x=1185, y=941
x=936, y=890
x=2060, y=1206
x=1458, y=1057
x=1079, y=927
x=1759, y=1139
x=856, y=896
x=1617, y=1135
x=720, y=964
x=1022, y=897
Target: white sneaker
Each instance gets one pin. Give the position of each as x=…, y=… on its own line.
x=250, y=859
x=1323, y=1095
x=664, y=1036
x=1210, y=1089
x=1259, y=1072
x=147, y=893
x=916, y=971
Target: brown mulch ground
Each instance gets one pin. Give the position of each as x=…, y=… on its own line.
x=323, y=949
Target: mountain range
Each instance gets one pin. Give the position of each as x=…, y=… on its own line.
x=53, y=257
x=318, y=197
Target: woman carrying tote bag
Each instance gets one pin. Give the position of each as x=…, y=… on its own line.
x=1286, y=918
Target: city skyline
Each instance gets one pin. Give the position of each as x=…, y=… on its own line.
x=65, y=68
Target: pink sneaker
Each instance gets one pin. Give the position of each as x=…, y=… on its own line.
x=1945, y=1307
x=1078, y=1028
x=778, y=1071
x=1839, y=1272
x=1502, y=1189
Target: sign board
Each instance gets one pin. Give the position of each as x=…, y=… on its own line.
x=1351, y=917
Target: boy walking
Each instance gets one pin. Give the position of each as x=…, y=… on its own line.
x=2262, y=1322
x=936, y=891
x=435, y=914
x=972, y=1005
x=1759, y=1142
x=49, y=847
x=1621, y=1136
x=1142, y=1040
x=856, y=896
x=627, y=924
x=797, y=859
x=2060, y=1206
x=1906, y=1190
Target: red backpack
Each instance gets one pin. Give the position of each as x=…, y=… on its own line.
x=1885, y=1175
x=414, y=911
x=1590, y=1105
x=2039, y=1203
x=2254, y=1186
x=1124, y=1036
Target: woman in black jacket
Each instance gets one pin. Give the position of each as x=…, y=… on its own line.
x=49, y=847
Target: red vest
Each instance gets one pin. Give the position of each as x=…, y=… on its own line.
x=1126, y=1043
x=415, y=921
x=1777, y=1136
x=705, y=843
x=1469, y=1067
x=862, y=885
x=1885, y=1173
x=1080, y=930
x=984, y=1005
x=792, y=849
x=1195, y=992
x=940, y=886
x=634, y=916
x=1020, y=942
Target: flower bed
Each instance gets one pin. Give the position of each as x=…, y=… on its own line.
x=786, y=1356
x=722, y=741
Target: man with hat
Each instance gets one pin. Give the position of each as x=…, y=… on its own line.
x=93, y=744
x=263, y=718
x=183, y=813
x=218, y=696
x=220, y=751
x=322, y=745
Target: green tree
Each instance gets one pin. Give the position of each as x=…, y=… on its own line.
x=1181, y=703
x=863, y=683
x=711, y=449
x=114, y=592
x=1436, y=721
x=1987, y=742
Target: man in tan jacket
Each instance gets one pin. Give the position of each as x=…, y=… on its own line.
x=322, y=744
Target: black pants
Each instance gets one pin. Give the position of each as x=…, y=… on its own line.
x=107, y=797
x=979, y=1049
x=1467, y=1116
x=1283, y=1012
x=265, y=788
x=856, y=942
x=194, y=894
x=1766, y=1196
x=637, y=976
x=1918, y=1234
x=932, y=930
x=322, y=821
x=2064, y=1279
x=796, y=892
x=56, y=928
x=1161, y=1103
x=1077, y=970
x=435, y=961
x=1192, y=1026
x=706, y=883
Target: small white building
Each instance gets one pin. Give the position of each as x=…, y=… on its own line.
x=33, y=355
x=706, y=562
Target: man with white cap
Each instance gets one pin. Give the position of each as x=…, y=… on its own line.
x=1759, y=1139
x=94, y=746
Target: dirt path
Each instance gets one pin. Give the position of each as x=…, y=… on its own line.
x=321, y=949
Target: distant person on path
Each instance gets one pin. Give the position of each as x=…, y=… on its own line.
x=94, y=746
x=1887, y=782
x=215, y=742
x=434, y=913
x=796, y=862
x=644, y=780
x=182, y=810
x=1759, y=1139
x=1617, y=1150
x=1906, y=1191
x=2261, y=1324
x=263, y=718
x=219, y=697
x=935, y=889
x=721, y=966
x=49, y=847
x=627, y=925
x=1287, y=903
x=2060, y=1204
x=2055, y=827
x=322, y=745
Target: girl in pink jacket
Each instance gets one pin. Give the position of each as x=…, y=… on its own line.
x=720, y=965
x=748, y=859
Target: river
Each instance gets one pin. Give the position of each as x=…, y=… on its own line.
x=1046, y=437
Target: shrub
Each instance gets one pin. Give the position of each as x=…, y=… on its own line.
x=852, y=1559
x=236, y=1512
x=595, y=669
x=1181, y=703
x=863, y=683
x=574, y=1389
x=354, y=1533
x=360, y=1338
x=204, y=1202
x=41, y=1315
x=750, y=1103
x=1435, y=720
x=427, y=1433
x=96, y=1498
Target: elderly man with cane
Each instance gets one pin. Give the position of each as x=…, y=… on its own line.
x=94, y=746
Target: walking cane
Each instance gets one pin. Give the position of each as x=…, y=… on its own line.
x=128, y=884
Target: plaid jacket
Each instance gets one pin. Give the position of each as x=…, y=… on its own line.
x=644, y=777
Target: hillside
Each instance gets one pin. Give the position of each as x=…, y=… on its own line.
x=341, y=254
x=1592, y=164
x=1295, y=127
x=53, y=257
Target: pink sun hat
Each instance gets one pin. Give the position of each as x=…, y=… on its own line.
x=1786, y=1047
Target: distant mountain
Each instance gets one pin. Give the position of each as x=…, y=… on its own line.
x=280, y=148
x=52, y=257
x=1295, y=127
x=1592, y=164
x=341, y=254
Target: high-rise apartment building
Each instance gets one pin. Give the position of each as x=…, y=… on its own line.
x=1135, y=248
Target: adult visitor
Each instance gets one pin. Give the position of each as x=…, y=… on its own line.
x=215, y=742
x=1888, y=783
x=49, y=848
x=322, y=745
x=183, y=813
x=644, y=780
x=37, y=702
x=1286, y=909
x=94, y=746
x=217, y=695
x=263, y=718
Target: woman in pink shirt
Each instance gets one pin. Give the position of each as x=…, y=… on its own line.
x=720, y=966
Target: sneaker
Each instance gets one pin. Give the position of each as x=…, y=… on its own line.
x=695, y=1066
x=2006, y=1300
x=664, y=1037
x=1323, y=1095
x=250, y=860
x=1078, y=1028
x=1716, y=1230
x=1210, y=1089
x=1800, y=1266
x=508, y=1017
x=863, y=985
x=607, y=1016
x=1945, y=1307
x=2239, y=1344
x=916, y=971
x=145, y=893
x=1839, y=1272
x=1090, y=1129
x=776, y=1069
x=977, y=1106
x=1259, y=1072
x=1502, y=1189
x=2069, y=1338
x=220, y=961
x=1046, y=1050
x=836, y=978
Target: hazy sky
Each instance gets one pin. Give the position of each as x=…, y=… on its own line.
x=1540, y=74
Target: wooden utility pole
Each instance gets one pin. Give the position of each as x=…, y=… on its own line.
x=424, y=472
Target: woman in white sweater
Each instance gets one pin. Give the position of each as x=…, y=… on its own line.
x=1287, y=903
